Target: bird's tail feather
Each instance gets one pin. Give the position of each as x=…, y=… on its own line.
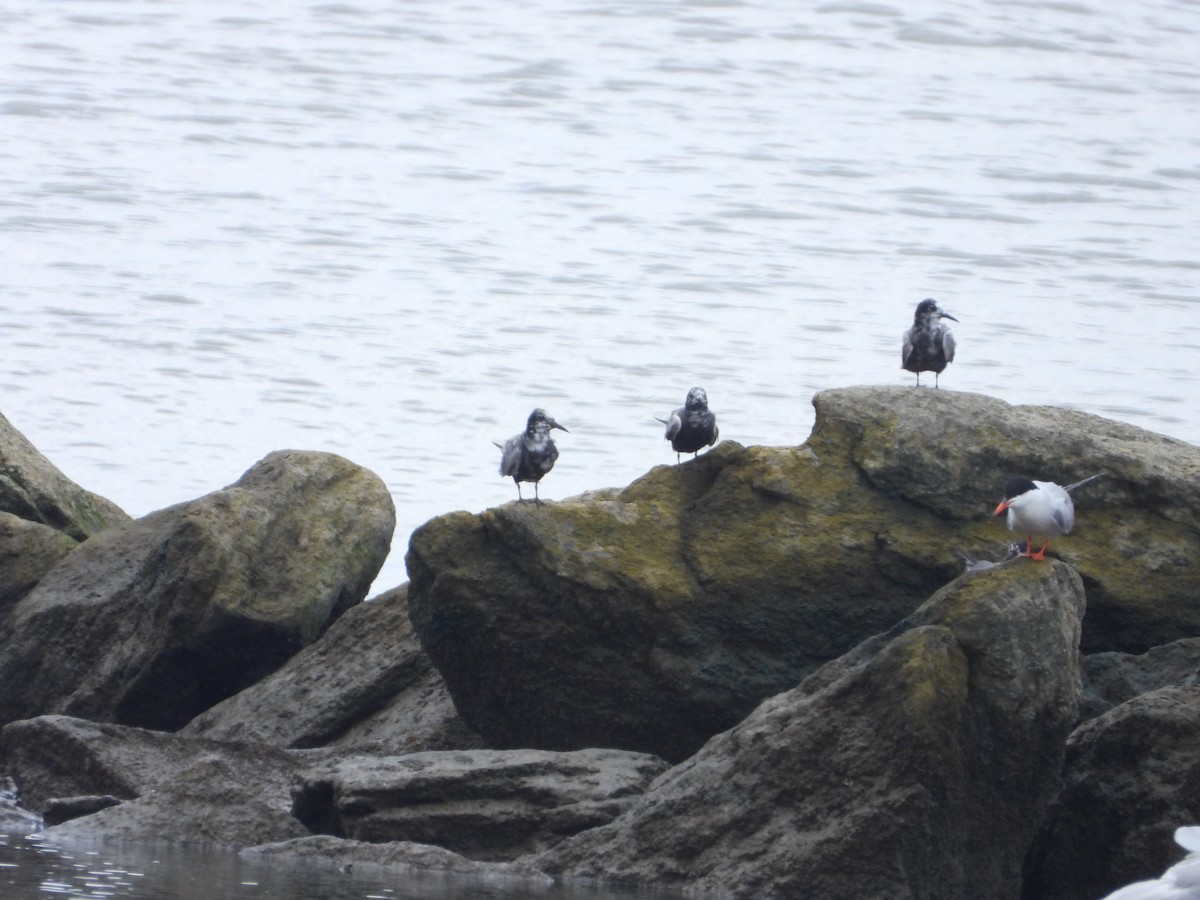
x=1071, y=487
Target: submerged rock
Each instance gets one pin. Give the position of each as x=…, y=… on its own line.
x=916, y=766
x=366, y=681
x=485, y=804
x=397, y=857
x=151, y=622
x=652, y=617
x=32, y=488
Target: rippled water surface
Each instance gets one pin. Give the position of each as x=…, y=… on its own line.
x=390, y=229
x=31, y=869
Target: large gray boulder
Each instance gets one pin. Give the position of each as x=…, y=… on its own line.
x=365, y=682
x=32, y=488
x=491, y=805
x=652, y=617
x=151, y=622
x=1132, y=776
x=917, y=766
x=168, y=787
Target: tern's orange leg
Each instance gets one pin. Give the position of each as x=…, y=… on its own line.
x=1028, y=546
x=1041, y=554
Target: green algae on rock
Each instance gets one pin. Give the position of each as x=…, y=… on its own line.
x=650, y=618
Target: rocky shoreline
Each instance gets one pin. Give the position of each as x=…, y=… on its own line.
x=761, y=673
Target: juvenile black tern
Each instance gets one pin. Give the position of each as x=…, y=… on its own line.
x=528, y=456
x=929, y=344
x=692, y=426
x=1040, y=508
x=1012, y=550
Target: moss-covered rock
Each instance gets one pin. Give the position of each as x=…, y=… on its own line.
x=1137, y=532
x=152, y=622
x=32, y=488
x=652, y=617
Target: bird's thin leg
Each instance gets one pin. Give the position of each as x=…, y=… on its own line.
x=520, y=499
x=536, y=499
x=1028, y=546
x=1041, y=554
x=935, y=379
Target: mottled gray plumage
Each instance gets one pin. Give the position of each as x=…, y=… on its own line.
x=928, y=345
x=1012, y=550
x=692, y=426
x=528, y=456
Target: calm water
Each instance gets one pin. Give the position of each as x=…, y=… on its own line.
x=390, y=229
x=36, y=870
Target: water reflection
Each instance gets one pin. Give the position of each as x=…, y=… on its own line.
x=30, y=869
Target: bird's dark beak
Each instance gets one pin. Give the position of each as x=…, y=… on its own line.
x=1003, y=503
x=946, y=315
x=554, y=424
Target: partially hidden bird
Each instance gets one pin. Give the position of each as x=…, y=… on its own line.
x=692, y=426
x=1040, y=508
x=929, y=344
x=528, y=456
x=1180, y=882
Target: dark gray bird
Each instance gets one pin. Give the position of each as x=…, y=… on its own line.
x=928, y=345
x=691, y=426
x=530, y=455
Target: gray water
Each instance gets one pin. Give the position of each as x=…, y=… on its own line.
x=31, y=869
x=390, y=229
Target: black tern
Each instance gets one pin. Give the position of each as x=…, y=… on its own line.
x=928, y=345
x=1040, y=508
x=692, y=426
x=530, y=455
